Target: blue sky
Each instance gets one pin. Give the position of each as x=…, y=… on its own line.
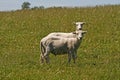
x=16, y=4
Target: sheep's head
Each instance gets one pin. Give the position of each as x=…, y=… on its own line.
x=79, y=34
x=79, y=25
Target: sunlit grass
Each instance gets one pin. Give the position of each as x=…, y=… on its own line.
x=98, y=55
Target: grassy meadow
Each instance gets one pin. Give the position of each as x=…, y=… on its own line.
x=98, y=55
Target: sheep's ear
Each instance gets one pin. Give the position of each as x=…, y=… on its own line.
x=84, y=22
x=84, y=32
x=74, y=22
x=74, y=32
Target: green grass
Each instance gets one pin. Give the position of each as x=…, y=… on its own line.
x=98, y=55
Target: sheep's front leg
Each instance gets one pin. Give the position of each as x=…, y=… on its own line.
x=74, y=57
x=69, y=56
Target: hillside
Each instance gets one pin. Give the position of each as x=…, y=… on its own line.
x=98, y=55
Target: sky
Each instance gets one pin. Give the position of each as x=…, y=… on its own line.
x=7, y=5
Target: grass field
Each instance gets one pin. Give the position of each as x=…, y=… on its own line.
x=98, y=55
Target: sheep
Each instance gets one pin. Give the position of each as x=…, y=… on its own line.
x=61, y=45
x=79, y=26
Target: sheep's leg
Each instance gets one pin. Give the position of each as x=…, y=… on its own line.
x=42, y=58
x=46, y=55
x=42, y=49
x=69, y=57
x=47, y=59
x=74, y=56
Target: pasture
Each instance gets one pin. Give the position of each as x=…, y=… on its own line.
x=98, y=55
